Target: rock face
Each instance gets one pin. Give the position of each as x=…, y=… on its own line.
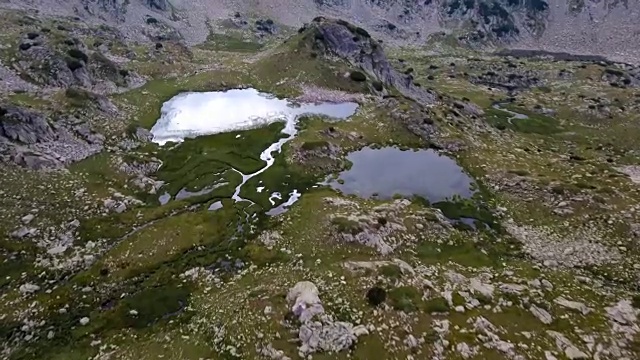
x=354, y=44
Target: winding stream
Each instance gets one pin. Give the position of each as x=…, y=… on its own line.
x=514, y=115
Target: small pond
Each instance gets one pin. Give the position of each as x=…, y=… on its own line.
x=389, y=171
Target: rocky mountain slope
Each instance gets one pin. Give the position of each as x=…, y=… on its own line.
x=473, y=205
x=607, y=27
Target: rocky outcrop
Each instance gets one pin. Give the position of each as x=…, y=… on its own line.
x=29, y=139
x=24, y=126
x=319, y=332
x=355, y=45
x=161, y=5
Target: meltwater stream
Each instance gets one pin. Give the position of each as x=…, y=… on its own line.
x=514, y=115
x=195, y=114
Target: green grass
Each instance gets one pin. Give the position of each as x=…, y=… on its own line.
x=230, y=42
x=197, y=163
x=534, y=124
x=405, y=298
x=390, y=271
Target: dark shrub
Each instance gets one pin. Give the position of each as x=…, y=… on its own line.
x=358, y=76
x=152, y=20
x=32, y=35
x=159, y=46
x=376, y=295
x=614, y=72
x=377, y=85
x=78, y=54
x=362, y=32
x=24, y=46
x=74, y=64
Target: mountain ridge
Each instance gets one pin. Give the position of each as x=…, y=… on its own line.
x=606, y=28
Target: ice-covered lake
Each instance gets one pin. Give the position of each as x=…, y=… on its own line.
x=194, y=114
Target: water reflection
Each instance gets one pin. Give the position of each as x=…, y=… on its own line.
x=390, y=171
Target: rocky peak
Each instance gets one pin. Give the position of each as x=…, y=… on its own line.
x=355, y=45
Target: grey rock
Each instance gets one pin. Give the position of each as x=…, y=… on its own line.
x=573, y=305
x=27, y=218
x=23, y=232
x=411, y=342
x=29, y=288
x=318, y=331
x=477, y=286
x=566, y=346
x=122, y=207
x=622, y=312
x=542, y=314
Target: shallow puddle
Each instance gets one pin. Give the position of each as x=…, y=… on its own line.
x=390, y=171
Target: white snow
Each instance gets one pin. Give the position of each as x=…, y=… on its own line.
x=194, y=114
